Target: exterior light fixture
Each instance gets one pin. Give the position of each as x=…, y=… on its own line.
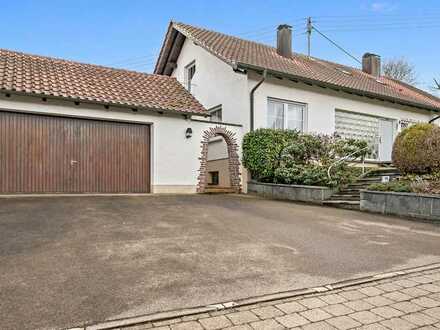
x=188, y=133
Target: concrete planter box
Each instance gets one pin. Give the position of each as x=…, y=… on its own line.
x=404, y=204
x=311, y=194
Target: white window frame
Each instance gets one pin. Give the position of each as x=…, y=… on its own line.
x=188, y=80
x=216, y=109
x=285, y=111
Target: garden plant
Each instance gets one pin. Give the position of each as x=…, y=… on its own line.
x=416, y=154
x=291, y=157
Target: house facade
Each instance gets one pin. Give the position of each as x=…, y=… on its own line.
x=68, y=127
x=258, y=86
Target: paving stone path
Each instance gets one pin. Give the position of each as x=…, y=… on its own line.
x=403, y=302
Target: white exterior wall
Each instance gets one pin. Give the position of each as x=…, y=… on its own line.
x=321, y=105
x=174, y=158
x=215, y=83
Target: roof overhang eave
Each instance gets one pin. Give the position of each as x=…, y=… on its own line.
x=319, y=83
x=108, y=103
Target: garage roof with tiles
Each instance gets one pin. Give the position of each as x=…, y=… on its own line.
x=45, y=76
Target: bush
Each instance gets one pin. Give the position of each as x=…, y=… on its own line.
x=291, y=157
x=417, y=149
x=262, y=150
x=421, y=184
x=395, y=186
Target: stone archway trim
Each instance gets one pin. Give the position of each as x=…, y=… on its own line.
x=233, y=158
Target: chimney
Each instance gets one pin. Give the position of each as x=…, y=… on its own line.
x=284, y=40
x=371, y=64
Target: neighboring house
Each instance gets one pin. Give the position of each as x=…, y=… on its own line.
x=256, y=85
x=68, y=127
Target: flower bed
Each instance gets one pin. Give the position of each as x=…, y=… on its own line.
x=416, y=153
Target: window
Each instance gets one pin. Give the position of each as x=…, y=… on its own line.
x=190, y=71
x=216, y=113
x=214, y=178
x=286, y=115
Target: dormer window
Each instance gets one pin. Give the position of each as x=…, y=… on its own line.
x=216, y=113
x=190, y=71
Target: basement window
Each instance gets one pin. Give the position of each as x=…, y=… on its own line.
x=214, y=178
x=190, y=71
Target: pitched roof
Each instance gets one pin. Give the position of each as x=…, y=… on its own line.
x=45, y=76
x=252, y=55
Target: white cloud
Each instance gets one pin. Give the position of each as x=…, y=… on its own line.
x=382, y=6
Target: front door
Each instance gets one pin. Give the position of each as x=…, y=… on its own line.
x=386, y=139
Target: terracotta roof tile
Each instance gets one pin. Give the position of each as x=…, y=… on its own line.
x=234, y=51
x=40, y=75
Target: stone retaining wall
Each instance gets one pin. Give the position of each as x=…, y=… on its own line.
x=311, y=194
x=403, y=204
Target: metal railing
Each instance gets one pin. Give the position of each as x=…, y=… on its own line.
x=346, y=158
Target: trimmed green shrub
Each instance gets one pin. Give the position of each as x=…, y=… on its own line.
x=262, y=150
x=417, y=149
x=291, y=157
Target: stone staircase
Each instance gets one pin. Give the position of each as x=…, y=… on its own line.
x=349, y=196
x=219, y=190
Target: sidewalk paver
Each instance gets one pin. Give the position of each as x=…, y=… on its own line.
x=403, y=302
x=292, y=320
x=267, y=312
x=242, y=317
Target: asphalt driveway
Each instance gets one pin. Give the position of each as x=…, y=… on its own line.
x=69, y=260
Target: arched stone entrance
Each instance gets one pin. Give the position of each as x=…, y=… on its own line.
x=233, y=159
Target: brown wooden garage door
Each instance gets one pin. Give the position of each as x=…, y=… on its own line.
x=45, y=154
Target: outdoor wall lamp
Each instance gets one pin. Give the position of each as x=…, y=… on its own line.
x=188, y=133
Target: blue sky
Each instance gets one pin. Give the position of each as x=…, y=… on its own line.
x=128, y=33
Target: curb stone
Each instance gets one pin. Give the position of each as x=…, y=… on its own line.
x=161, y=316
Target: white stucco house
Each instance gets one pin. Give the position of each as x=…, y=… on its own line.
x=255, y=85
x=69, y=127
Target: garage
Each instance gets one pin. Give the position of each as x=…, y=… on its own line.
x=50, y=154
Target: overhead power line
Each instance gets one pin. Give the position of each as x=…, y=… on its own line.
x=335, y=44
x=418, y=15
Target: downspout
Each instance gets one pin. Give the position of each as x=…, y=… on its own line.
x=251, y=96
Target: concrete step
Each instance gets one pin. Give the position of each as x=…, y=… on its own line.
x=368, y=179
x=343, y=204
x=358, y=186
x=349, y=191
x=379, y=176
x=219, y=190
x=345, y=197
x=385, y=171
x=348, y=194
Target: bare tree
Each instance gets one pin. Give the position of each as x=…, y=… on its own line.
x=400, y=69
x=437, y=84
